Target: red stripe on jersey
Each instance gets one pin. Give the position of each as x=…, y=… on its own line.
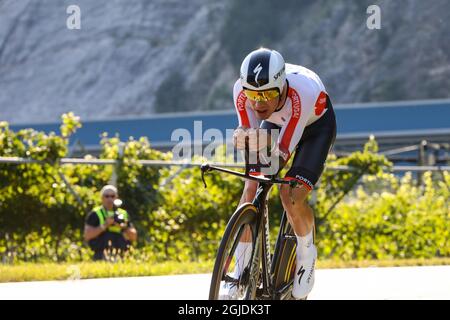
x=240, y=104
x=307, y=186
x=320, y=103
x=296, y=112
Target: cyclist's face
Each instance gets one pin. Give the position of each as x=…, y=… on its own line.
x=263, y=109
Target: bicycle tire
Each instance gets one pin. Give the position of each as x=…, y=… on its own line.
x=246, y=214
x=284, y=257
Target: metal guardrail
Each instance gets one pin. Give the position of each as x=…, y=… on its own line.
x=19, y=160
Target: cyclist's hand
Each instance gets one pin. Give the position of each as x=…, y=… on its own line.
x=239, y=136
x=258, y=139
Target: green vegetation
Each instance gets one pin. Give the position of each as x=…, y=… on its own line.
x=43, y=206
x=90, y=270
x=386, y=216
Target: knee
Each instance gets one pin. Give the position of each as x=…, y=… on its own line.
x=290, y=197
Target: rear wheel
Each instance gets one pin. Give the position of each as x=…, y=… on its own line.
x=225, y=282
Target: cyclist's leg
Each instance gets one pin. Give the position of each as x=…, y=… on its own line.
x=249, y=192
x=298, y=211
x=247, y=196
x=243, y=251
x=307, y=166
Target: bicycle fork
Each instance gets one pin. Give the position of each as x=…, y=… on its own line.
x=262, y=239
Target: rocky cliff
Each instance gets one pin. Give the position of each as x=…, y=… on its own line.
x=137, y=57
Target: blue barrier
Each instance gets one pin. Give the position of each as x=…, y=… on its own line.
x=352, y=120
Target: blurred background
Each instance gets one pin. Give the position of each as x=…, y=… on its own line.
x=134, y=59
x=141, y=57
x=141, y=68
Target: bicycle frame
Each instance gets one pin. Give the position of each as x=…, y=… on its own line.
x=262, y=237
x=269, y=289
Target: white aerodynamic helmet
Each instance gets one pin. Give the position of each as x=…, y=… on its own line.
x=263, y=69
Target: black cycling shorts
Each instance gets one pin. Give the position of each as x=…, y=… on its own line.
x=312, y=149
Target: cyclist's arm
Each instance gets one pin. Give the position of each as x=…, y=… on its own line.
x=292, y=131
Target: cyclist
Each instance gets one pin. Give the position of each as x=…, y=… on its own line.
x=291, y=99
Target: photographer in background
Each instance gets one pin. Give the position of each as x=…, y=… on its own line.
x=108, y=227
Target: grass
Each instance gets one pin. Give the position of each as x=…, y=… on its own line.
x=89, y=270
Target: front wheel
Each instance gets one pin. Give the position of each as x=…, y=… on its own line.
x=226, y=283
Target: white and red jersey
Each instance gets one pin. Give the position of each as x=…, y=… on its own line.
x=305, y=103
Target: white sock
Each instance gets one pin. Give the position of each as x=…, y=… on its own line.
x=304, y=245
x=242, y=255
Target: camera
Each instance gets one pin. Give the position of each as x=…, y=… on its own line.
x=118, y=217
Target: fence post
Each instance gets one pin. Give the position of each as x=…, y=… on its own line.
x=113, y=179
x=421, y=160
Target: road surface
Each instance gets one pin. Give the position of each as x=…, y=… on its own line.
x=431, y=282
